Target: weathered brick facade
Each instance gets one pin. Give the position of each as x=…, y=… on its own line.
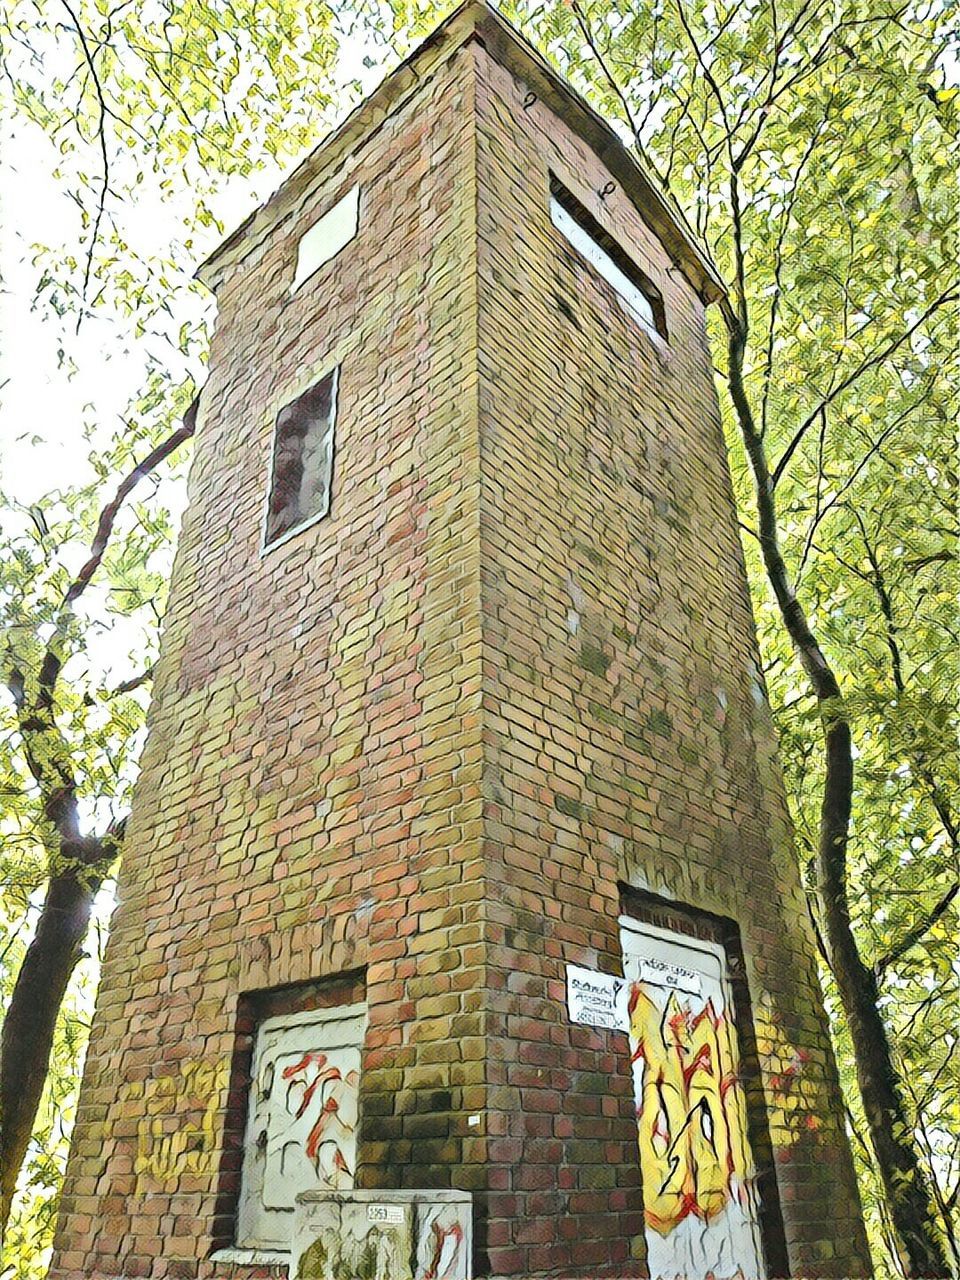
x=434, y=744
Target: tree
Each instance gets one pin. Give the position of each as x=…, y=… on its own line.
x=64, y=764
x=809, y=142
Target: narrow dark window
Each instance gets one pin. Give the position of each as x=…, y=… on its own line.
x=302, y=460
x=636, y=290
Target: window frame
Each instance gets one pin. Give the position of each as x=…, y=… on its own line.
x=353, y=194
x=302, y=387
x=561, y=197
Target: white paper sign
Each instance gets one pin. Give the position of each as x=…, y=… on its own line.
x=384, y=1213
x=660, y=974
x=597, y=999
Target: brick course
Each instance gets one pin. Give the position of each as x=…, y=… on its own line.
x=437, y=736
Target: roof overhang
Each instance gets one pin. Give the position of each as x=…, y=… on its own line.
x=476, y=20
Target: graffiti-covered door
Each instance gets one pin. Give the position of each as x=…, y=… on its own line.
x=699, y=1183
x=302, y=1118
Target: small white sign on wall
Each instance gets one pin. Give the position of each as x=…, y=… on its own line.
x=385, y=1213
x=327, y=236
x=597, y=999
x=661, y=974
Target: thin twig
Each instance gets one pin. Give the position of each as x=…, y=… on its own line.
x=135, y=682
x=914, y=935
x=102, y=134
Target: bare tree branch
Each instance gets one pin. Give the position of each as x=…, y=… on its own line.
x=707, y=70
x=616, y=90
x=920, y=760
x=837, y=499
x=785, y=221
x=938, y=557
x=915, y=935
x=104, y=156
x=135, y=682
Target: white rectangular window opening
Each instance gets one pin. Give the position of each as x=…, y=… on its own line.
x=302, y=465
x=301, y=1130
x=575, y=223
x=327, y=236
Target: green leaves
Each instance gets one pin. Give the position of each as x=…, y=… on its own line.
x=163, y=102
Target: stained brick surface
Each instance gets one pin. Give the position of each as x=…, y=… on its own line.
x=434, y=735
x=627, y=737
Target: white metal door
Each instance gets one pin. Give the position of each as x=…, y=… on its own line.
x=302, y=1117
x=699, y=1179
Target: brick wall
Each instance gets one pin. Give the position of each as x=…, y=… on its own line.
x=627, y=738
x=429, y=741
x=309, y=803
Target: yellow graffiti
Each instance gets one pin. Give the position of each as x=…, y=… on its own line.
x=795, y=1095
x=177, y=1132
x=691, y=1119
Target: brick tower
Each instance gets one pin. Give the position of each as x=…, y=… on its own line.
x=458, y=725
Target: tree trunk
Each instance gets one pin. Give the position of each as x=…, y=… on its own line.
x=890, y=1129
x=891, y=1134
x=31, y=1017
